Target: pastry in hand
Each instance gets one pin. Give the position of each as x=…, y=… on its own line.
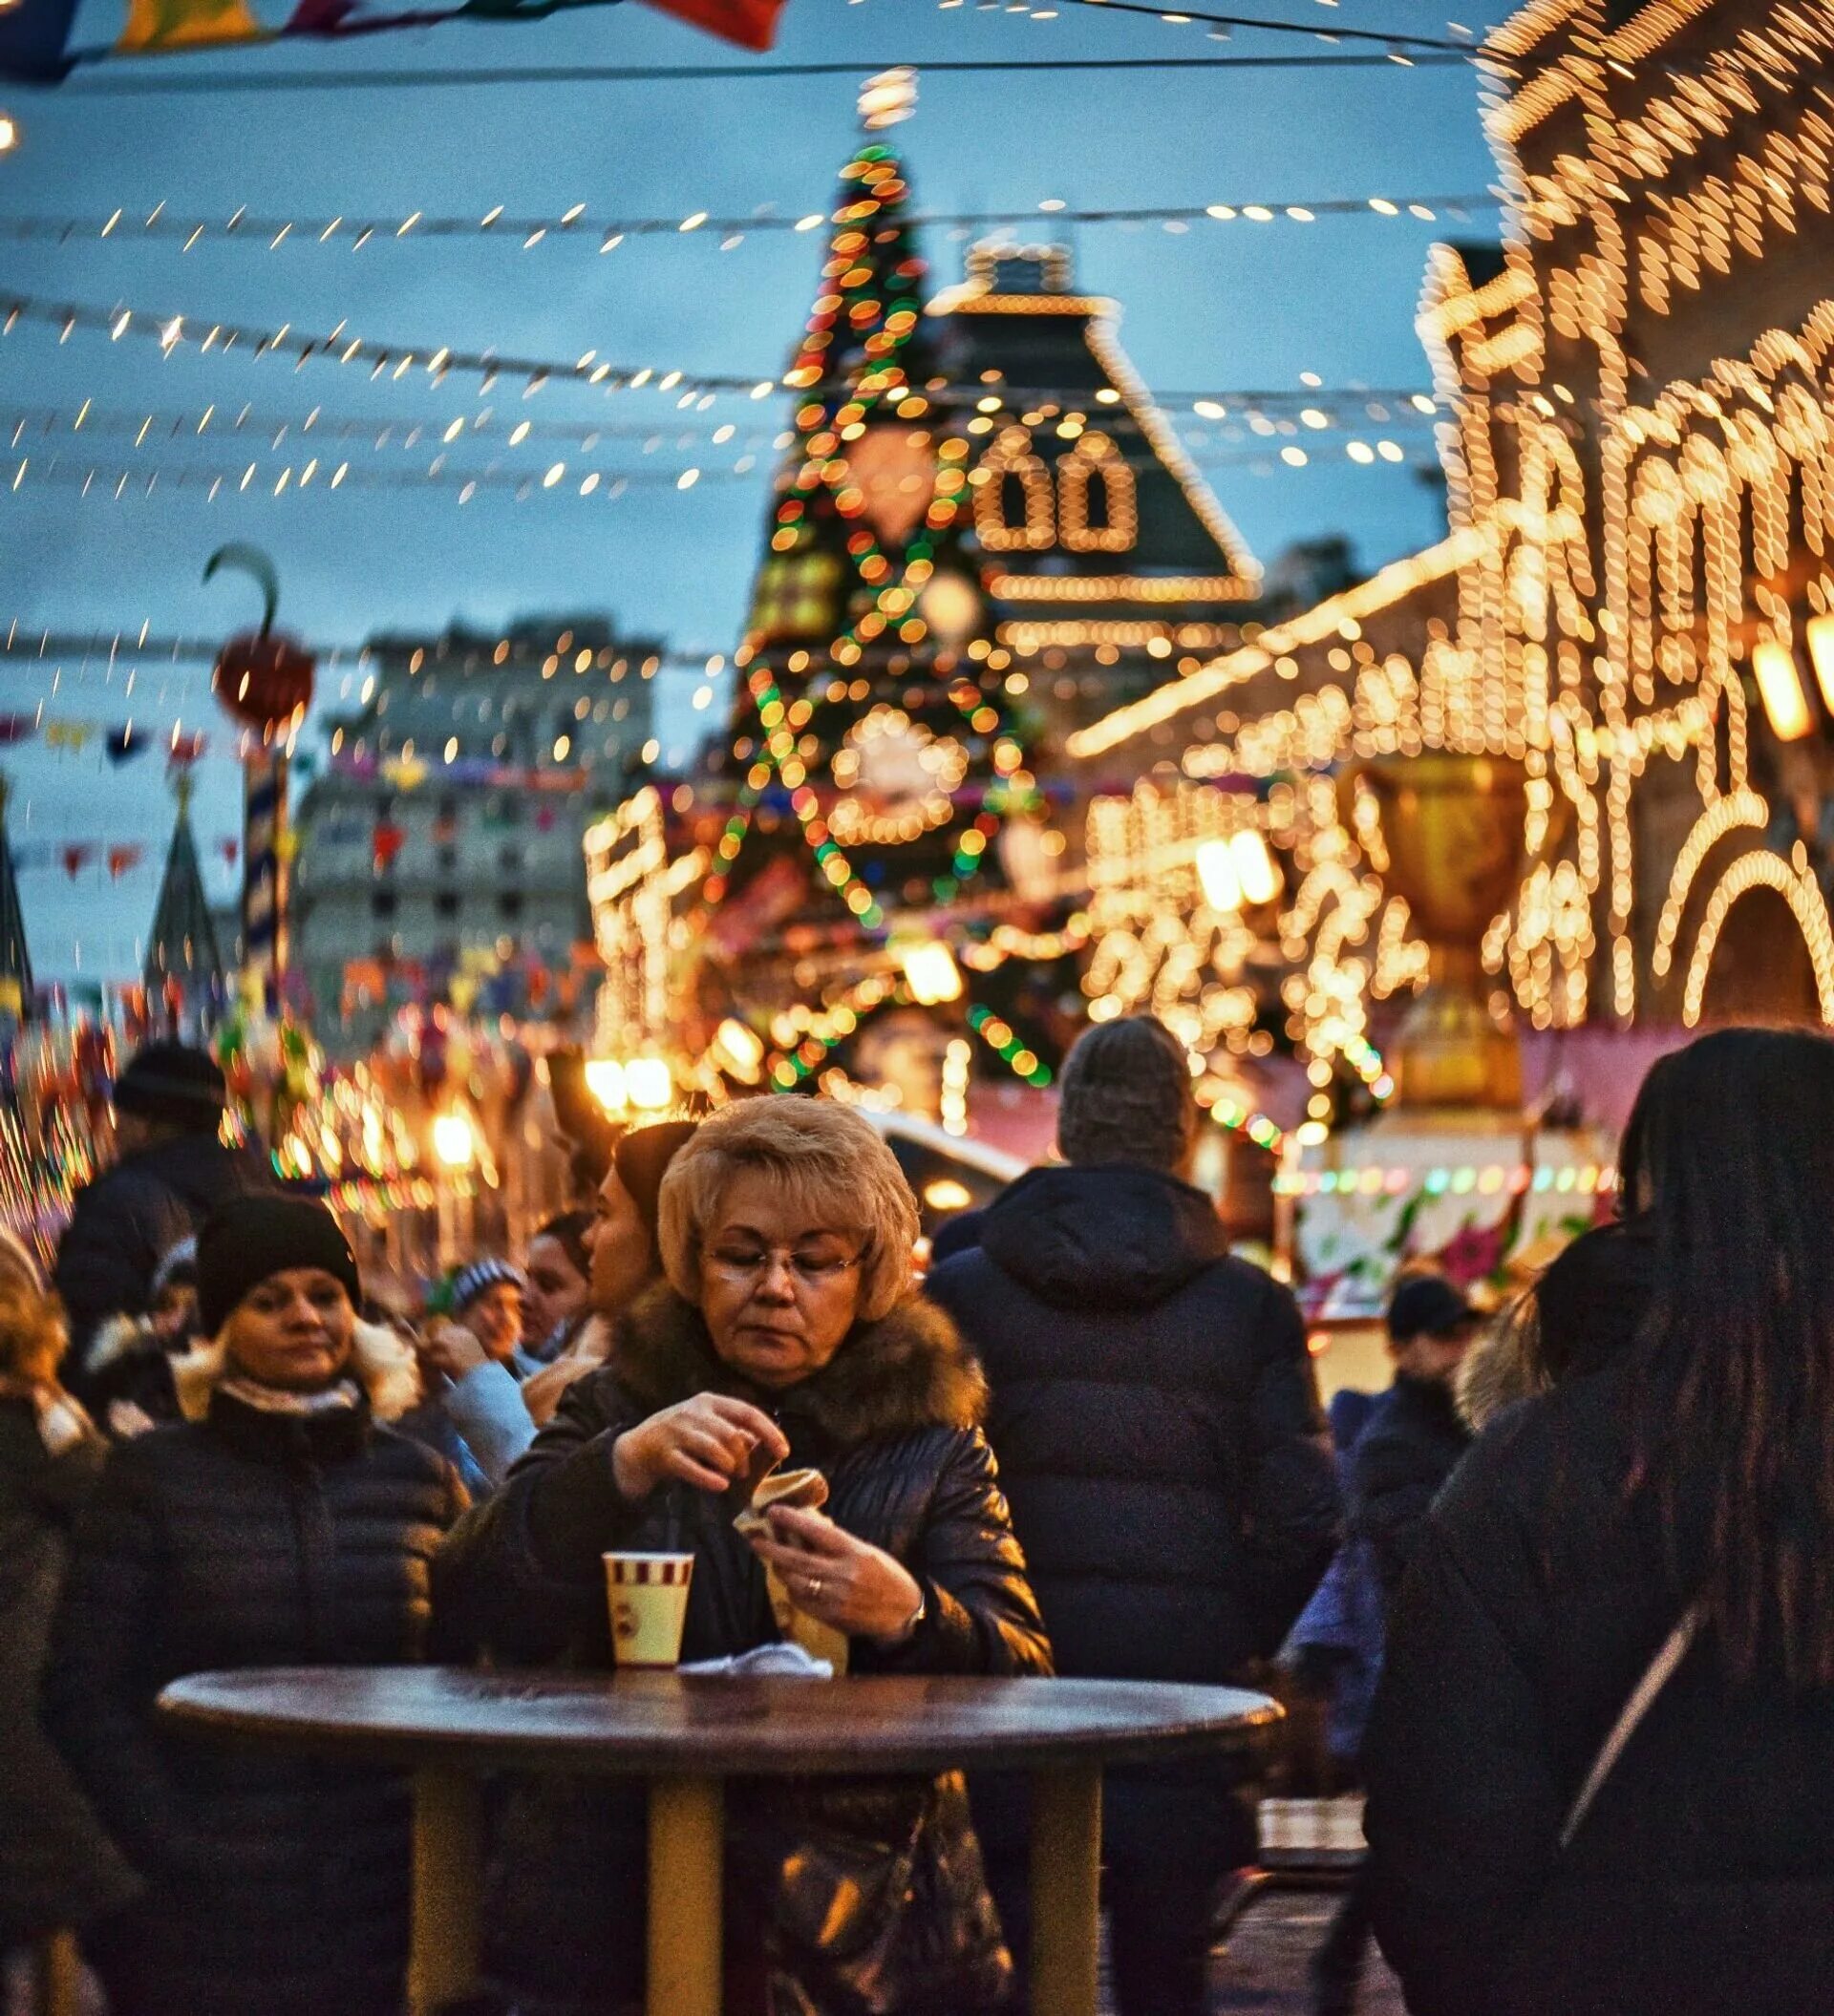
x=807, y=1490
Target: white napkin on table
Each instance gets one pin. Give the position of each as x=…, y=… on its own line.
x=786, y=1661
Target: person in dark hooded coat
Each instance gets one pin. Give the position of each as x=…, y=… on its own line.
x=1684, y=1476
x=172, y=1172
x=1156, y=1421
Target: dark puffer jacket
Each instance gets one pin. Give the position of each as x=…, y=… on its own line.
x=57, y=1867
x=1156, y=1419
x=132, y=1214
x=1702, y=1881
x=278, y=1885
x=891, y=1421
x=1411, y=1444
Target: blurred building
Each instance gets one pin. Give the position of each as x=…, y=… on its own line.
x=443, y=836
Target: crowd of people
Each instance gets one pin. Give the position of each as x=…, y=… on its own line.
x=1568, y=1583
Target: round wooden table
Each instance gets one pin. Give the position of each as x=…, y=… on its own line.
x=686, y=1735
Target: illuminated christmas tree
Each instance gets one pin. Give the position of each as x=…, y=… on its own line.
x=870, y=769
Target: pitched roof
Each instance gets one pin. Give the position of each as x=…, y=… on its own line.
x=183, y=942
x=1015, y=325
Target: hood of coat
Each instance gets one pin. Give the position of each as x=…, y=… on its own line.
x=1108, y=1236
x=118, y=1338
x=382, y=1363
x=910, y=1370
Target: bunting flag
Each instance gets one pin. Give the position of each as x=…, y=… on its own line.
x=121, y=858
x=185, y=24
x=68, y=734
x=16, y=727
x=229, y=850
x=750, y=23
x=34, y=33
x=76, y=857
x=32, y=40
x=184, y=750
x=122, y=745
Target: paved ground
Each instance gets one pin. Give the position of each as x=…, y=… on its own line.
x=1264, y=1971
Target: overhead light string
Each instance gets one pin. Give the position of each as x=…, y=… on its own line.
x=344, y=231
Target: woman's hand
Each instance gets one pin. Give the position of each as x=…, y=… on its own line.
x=846, y=1584
x=450, y=1349
x=706, y=1442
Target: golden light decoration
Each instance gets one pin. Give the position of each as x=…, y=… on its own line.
x=605, y=1080
x=930, y=974
x=1615, y=613
x=897, y=777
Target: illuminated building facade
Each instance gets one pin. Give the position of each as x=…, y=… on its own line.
x=1622, y=650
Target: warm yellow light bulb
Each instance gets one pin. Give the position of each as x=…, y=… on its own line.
x=1818, y=633
x=1780, y=687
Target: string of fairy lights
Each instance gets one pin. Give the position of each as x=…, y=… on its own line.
x=578, y=227
x=177, y=332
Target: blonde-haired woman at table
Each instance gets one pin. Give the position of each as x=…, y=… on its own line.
x=789, y=1329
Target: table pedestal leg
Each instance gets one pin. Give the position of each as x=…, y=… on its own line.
x=1066, y=1877
x=687, y=1841
x=448, y=1889
x=56, y=1986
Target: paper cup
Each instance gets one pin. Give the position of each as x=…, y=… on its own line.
x=649, y=1598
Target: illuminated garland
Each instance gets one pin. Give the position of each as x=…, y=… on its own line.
x=1006, y=1044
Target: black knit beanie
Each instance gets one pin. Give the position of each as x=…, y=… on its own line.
x=643, y=1156
x=250, y=1238
x=174, y=1085
x=1125, y=1095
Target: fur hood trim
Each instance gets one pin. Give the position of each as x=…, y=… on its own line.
x=383, y=1363
x=1503, y=1367
x=910, y=1370
x=115, y=1340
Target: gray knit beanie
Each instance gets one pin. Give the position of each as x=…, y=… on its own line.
x=1126, y=1096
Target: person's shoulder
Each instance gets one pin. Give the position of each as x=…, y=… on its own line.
x=1561, y=1449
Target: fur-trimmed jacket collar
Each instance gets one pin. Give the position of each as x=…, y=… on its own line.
x=907, y=1372
x=382, y=1364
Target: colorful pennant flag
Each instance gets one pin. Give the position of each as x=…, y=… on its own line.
x=121, y=858
x=34, y=33
x=154, y=24
x=76, y=858
x=122, y=745
x=16, y=727
x=184, y=750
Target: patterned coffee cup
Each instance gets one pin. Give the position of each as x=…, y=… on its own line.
x=649, y=1598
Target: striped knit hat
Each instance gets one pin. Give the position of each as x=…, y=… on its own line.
x=470, y=1282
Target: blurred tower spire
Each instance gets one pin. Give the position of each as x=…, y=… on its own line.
x=183, y=943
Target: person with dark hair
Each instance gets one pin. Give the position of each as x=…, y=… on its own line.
x=1405, y=1451
x=557, y=1298
x=623, y=1251
x=280, y=1524
x=1157, y=1425
x=1600, y=1751
x=172, y=1171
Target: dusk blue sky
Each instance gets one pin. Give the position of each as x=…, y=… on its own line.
x=1223, y=306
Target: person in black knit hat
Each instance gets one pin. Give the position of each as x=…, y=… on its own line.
x=172, y=1172
x=281, y=1523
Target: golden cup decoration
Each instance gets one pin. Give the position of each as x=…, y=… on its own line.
x=1452, y=827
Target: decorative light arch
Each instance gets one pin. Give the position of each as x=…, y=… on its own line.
x=1797, y=887
x=1726, y=815
x=1095, y=457
x=1012, y=455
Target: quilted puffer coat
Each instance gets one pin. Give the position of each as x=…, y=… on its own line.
x=862, y=1897
x=277, y=1883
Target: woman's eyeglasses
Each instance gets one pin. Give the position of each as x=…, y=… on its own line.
x=748, y=1265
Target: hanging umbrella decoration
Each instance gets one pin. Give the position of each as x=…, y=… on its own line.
x=264, y=681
